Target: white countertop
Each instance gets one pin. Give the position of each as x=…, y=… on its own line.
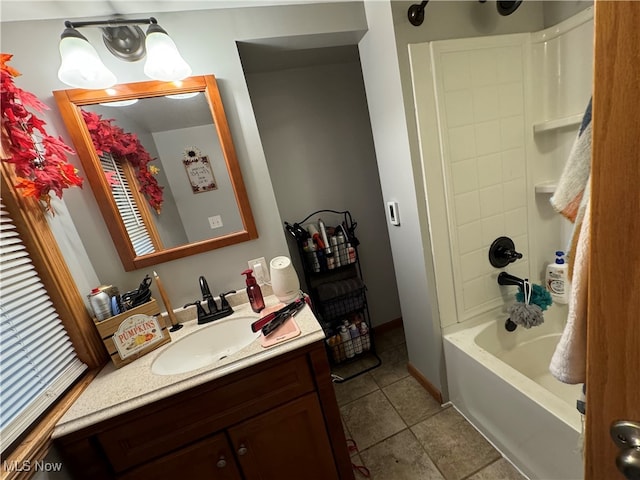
x=116, y=391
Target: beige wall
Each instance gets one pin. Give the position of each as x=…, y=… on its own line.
x=316, y=133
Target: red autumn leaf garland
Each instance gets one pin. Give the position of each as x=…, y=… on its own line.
x=39, y=159
x=111, y=139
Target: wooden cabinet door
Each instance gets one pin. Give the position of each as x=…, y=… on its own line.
x=290, y=441
x=210, y=459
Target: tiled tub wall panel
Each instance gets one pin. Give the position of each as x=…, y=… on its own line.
x=481, y=96
x=562, y=79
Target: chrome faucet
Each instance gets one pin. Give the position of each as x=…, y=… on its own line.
x=213, y=313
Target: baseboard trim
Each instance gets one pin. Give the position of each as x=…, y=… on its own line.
x=385, y=327
x=426, y=384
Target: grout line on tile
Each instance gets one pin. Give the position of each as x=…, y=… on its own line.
x=428, y=456
x=357, y=399
x=442, y=473
x=422, y=419
x=386, y=438
x=395, y=381
x=394, y=408
x=482, y=468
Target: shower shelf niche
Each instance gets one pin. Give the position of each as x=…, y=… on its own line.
x=558, y=123
x=545, y=187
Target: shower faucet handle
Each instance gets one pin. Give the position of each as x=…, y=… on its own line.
x=511, y=255
x=503, y=252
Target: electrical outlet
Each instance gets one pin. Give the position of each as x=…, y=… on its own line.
x=215, y=221
x=260, y=270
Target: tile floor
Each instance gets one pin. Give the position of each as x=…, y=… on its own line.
x=402, y=433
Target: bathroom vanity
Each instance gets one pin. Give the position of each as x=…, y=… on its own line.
x=261, y=413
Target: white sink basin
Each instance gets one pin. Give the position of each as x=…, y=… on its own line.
x=206, y=346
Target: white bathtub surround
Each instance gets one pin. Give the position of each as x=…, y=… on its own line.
x=488, y=112
x=478, y=88
x=501, y=383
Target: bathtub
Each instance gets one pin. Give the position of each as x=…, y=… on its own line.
x=499, y=381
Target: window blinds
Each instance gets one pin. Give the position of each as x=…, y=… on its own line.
x=127, y=206
x=37, y=360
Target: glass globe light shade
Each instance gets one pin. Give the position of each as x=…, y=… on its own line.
x=80, y=65
x=163, y=59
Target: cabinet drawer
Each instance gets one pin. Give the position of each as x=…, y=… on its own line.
x=151, y=431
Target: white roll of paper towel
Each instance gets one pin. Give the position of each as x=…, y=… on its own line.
x=284, y=279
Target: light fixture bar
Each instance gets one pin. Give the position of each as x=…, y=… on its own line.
x=110, y=23
x=81, y=67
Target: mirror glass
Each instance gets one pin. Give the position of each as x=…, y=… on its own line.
x=162, y=165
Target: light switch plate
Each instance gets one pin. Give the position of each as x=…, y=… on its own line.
x=392, y=212
x=260, y=270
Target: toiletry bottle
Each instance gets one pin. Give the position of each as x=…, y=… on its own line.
x=557, y=279
x=315, y=235
x=342, y=356
x=338, y=349
x=312, y=257
x=336, y=251
x=253, y=292
x=323, y=232
x=100, y=303
x=352, y=253
x=346, y=341
x=355, y=339
x=331, y=264
x=364, y=336
x=342, y=248
x=331, y=341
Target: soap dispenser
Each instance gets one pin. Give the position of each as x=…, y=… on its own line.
x=253, y=292
x=557, y=279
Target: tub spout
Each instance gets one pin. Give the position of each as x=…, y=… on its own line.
x=505, y=278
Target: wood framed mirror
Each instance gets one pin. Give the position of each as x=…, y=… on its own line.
x=182, y=128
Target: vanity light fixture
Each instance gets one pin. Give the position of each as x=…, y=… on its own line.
x=81, y=66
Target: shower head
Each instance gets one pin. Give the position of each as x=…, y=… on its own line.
x=416, y=13
x=507, y=7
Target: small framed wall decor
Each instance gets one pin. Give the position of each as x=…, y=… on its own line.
x=199, y=170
